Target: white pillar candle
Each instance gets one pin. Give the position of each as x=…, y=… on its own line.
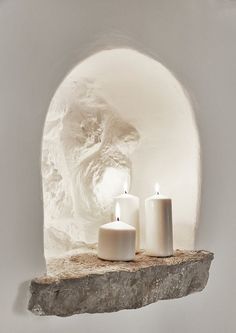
x=129, y=212
x=116, y=240
x=158, y=225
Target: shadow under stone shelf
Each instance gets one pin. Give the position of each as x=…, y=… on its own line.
x=86, y=284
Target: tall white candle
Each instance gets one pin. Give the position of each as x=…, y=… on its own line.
x=116, y=240
x=129, y=212
x=158, y=225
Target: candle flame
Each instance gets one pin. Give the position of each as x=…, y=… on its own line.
x=157, y=188
x=126, y=187
x=117, y=212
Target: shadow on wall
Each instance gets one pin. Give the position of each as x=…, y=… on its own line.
x=118, y=118
x=21, y=302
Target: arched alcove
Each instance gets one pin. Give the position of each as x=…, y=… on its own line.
x=118, y=117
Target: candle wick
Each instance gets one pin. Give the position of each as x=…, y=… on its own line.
x=157, y=193
x=125, y=192
x=117, y=219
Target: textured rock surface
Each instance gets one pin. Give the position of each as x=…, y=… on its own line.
x=86, y=284
x=86, y=146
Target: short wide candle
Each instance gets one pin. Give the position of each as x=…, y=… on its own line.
x=116, y=241
x=158, y=225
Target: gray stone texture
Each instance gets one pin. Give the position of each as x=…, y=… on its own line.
x=86, y=284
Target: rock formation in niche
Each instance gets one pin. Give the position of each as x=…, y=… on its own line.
x=85, y=163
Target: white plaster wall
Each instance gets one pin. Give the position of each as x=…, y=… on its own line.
x=40, y=42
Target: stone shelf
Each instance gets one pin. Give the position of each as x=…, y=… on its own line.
x=85, y=284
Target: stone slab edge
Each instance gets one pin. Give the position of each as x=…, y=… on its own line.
x=120, y=289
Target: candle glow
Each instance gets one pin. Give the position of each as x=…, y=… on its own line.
x=117, y=212
x=126, y=188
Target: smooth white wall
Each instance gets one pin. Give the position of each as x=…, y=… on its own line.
x=40, y=42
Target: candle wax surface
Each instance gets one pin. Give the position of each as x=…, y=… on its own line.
x=158, y=226
x=116, y=241
x=117, y=225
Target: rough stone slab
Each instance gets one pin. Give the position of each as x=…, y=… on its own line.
x=86, y=284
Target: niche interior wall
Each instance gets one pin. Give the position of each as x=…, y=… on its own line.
x=119, y=117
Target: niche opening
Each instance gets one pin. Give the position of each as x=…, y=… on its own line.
x=118, y=117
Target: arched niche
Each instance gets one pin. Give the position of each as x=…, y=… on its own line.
x=118, y=117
